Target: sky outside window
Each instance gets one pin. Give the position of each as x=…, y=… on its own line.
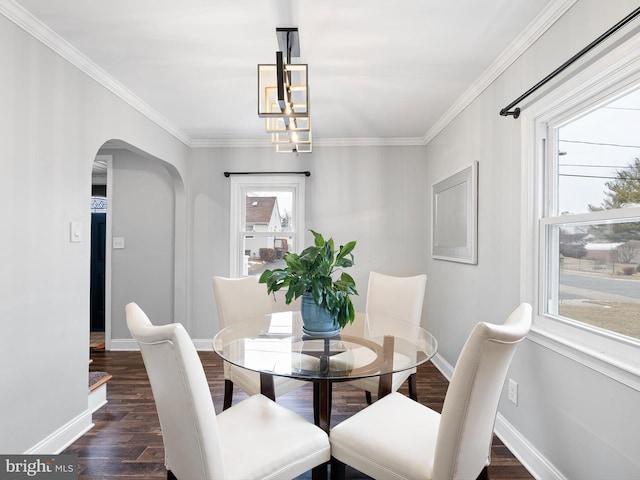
x=592, y=148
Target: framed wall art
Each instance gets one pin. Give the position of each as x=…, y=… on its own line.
x=454, y=217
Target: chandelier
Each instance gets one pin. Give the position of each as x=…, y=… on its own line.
x=283, y=96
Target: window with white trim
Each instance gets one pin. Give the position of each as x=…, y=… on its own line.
x=590, y=231
x=555, y=229
x=267, y=221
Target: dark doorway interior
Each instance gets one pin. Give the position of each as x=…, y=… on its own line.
x=98, y=250
x=98, y=237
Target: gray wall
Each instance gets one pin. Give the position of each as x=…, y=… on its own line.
x=53, y=120
x=374, y=195
x=582, y=422
x=143, y=213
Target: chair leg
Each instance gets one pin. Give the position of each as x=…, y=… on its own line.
x=316, y=403
x=484, y=474
x=337, y=469
x=228, y=394
x=367, y=396
x=319, y=472
x=413, y=390
x=170, y=475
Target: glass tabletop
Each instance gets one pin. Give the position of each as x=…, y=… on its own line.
x=372, y=346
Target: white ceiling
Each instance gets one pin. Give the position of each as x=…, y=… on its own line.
x=378, y=69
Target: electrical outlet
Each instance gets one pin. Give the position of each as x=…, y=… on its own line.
x=513, y=392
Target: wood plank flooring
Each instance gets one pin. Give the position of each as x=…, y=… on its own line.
x=126, y=442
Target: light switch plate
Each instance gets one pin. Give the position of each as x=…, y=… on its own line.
x=118, y=242
x=75, y=231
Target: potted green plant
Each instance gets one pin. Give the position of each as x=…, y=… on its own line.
x=316, y=274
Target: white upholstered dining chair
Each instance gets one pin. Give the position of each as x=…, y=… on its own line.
x=240, y=299
x=402, y=439
x=254, y=439
x=399, y=298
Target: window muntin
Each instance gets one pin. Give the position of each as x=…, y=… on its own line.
x=590, y=239
x=267, y=221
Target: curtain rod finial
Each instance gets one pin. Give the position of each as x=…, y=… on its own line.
x=515, y=113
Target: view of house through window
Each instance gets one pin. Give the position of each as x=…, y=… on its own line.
x=269, y=228
x=592, y=233
x=267, y=221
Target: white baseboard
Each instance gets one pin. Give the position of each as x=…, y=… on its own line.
x=529, y=456
x=130, y=345
x=537, y=464
x=124, y=345
x=64, y=436
x=441, y=364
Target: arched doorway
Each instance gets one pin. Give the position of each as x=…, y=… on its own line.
x=141, y=207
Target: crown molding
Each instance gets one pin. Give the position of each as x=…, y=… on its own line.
x=526, y=39
x=230, y=143
x=324, y=142
x=369, y=142
x=25, y=20
x=548, y=17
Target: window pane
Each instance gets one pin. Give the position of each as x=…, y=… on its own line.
x=598, y=279
x=263, y=252
x=267, y=220
x=269, y=211
x=594, y=151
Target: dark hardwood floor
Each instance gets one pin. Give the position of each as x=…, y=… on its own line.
x=126, y=442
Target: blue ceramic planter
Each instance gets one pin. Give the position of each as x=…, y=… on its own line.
x=316, y=322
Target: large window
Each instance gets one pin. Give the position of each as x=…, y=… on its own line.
x=581, y=214
x=267, y=221
x=590, y=235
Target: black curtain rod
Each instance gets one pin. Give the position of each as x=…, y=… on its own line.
x=506, y=111
x=306, y=173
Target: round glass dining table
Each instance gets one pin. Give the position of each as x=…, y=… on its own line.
x=373, y=346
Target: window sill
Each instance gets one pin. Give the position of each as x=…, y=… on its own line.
x=616, y=360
